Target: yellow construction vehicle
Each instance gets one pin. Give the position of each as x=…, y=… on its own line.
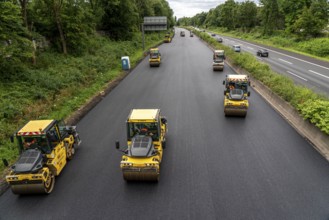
x=218, y=60
x=167, y=38
x=45, y=147
x=146, y=131
x=155, y=57
x=236, y=93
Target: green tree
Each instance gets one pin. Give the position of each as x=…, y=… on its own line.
x=308, y=24
x=15, y=44
x=247, y=15
x=270, y=15
x=211, y=19
x=64, y=22
x=228, y=14
x=292, y=9
x=120, y=18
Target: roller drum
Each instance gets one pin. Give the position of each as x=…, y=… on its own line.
x=141, y=175
x=34, y=188
x=235, y=112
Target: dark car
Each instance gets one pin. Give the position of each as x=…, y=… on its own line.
x=262, y=53
x=219, y=39
x=213, y=34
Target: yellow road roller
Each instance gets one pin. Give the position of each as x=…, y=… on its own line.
x=155, y=57
x=218, y=60
x=146, y=131
x=45, y=147
x=236, y=94
x=167, y=38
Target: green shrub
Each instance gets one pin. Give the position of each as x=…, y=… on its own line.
x=317, y=112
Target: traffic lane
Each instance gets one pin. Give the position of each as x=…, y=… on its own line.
x=308, y=68
x=301, y=74
x=288, y=54
x=314, y=83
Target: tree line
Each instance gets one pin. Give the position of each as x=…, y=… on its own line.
x=29, y=26
x=305, y=18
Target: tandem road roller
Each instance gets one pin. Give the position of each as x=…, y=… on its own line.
x=146, y=131
x=236, y=93
x=155, y=57
x=45, y=147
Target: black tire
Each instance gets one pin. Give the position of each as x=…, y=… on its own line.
x=50, y=183
x=71, y=154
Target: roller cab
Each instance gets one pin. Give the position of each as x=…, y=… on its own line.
x=236, y=95
x=146, y=131
x=45, y=147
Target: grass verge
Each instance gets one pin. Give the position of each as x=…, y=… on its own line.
x=315, y=47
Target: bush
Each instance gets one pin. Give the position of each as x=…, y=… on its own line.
x=317, y=112
x=318, y=47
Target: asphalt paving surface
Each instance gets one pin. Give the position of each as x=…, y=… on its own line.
x=214, y=167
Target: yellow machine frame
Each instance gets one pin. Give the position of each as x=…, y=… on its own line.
x=236, y=107
x=145, y=168
x=42, y=181
x=167, y=38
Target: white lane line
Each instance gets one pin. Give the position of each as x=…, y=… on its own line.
x=284, y=61
x=289, y=56
x=250, y=48
x=297, y=76
x=319, y=74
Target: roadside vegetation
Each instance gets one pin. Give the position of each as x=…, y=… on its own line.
x=55, y=55
x=310, y=105
x=296, y=25
x=314, y=47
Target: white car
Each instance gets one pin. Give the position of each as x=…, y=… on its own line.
x=237, y=48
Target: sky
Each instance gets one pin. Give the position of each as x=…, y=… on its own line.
x=189, y=8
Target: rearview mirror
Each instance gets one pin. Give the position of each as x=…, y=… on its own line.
x=163, y=120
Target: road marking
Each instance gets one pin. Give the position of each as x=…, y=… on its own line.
x=296, y=75
x=250, y=48
x=284, y=61
x=289, y=56
x=319, y=74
